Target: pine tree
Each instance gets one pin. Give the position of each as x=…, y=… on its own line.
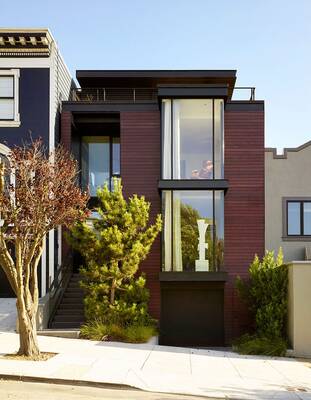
x=113, y=248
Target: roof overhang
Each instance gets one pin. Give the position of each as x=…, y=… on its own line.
x=156, y=78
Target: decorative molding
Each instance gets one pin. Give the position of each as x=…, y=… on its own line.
x=25, y=43
x=286, y=150
x=4, y=150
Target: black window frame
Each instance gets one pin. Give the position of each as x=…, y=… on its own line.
x=172, y=142
x=111, y=173
x=213, y=267
x=9, y=98
x=301, y=203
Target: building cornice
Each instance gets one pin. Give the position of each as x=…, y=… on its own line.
x=25, y=42
x=286, y=150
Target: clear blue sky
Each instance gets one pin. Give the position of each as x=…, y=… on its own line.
x=267, y=41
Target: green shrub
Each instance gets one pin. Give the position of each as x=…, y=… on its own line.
x=266, y=294
x=273, y=347
x=99, y=330
x=112, y=250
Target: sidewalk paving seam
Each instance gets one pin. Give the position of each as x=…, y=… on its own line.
x=147, y=358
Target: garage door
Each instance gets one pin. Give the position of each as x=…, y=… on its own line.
x=192, y=314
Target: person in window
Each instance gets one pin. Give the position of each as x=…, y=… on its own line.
x=195, y=174
x=206, y=171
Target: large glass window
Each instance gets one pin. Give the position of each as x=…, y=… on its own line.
x=100, y=161
x=193, y=230
x=299, y=218
x=192, y=139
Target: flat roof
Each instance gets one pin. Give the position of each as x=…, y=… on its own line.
x=153, y=78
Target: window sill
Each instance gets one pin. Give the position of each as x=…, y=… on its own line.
x=10, y=124
x=211, y=276
x=296, y=238
x=193, y=184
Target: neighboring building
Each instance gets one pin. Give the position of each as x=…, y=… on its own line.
x=33, y=82
x=178, y=138
x=288, y=202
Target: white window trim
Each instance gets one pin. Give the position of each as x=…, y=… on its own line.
x=16, y=122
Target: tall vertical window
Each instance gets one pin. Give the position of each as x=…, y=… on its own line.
x=193, y=230
x=9, y=115
x=192, y=141
x=100, y=161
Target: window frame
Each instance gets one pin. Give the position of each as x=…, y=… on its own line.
x=111, y=158
x=214, y=231
x=295, y=237
x=15, y=122
x=170, y=142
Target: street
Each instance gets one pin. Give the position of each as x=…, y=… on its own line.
x=17, y=390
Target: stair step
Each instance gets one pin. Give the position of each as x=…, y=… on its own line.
x=65, y=325
x=69, y=318
x=73, y=293
x=71, y=306
x=74, y=301
x=69, y=311
x=75, y=290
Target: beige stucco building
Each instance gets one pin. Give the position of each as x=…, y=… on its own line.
x=288, y=201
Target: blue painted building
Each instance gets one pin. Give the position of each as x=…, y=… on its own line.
x=33, y=82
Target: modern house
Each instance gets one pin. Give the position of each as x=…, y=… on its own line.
x=33, y=82
x=175, y=136
x=178, y=138
x=288, y=202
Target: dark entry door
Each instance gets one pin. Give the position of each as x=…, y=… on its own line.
x=192, y=314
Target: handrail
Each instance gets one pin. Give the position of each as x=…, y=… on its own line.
x=58, y=287
x=251, y=89
x=114, y=95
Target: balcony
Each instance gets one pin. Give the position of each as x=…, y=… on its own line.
x=114, y=95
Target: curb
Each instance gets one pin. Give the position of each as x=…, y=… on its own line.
x=71, y=382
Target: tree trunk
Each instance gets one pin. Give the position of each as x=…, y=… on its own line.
x=27, y=330
x=112, y=291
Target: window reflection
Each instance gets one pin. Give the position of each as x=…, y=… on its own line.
x=192, y=139
x=193, y=230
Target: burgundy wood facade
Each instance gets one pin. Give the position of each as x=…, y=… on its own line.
x=140, y=135
x=244, y=207
x=140, y=171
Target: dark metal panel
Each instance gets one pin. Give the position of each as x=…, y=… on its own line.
x=198, y=276
x=192, y=314
x=257, y=105
x=190, y=184
x=103, y=107
x=204, y=91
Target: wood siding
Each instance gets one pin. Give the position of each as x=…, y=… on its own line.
x=244, y=207
x=140, y=171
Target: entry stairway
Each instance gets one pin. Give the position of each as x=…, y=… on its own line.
x=69, y=313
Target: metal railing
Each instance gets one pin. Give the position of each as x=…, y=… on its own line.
x=114, y=95
x=250, y=89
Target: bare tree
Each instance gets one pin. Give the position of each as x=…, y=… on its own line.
x=38, y=192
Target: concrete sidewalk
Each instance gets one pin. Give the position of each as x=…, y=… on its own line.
x=164, y=369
